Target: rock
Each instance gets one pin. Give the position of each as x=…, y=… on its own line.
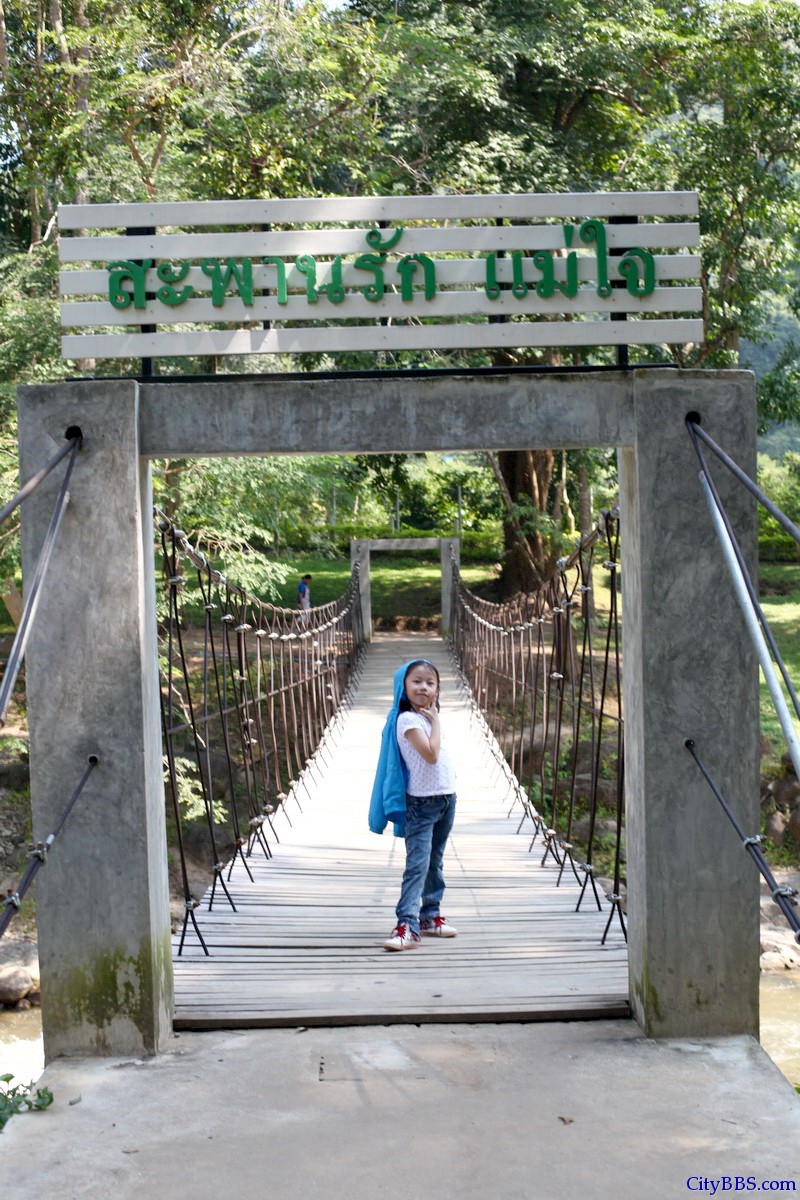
x=786, y=791
x=586, y=757
x=607, y=792
x=778, y=939
x=772, y=961
x=604, y=827
x=15, y=775
x=16, y=951
x=580, y=830
x=15, y=983
x=793, y=826
x=779, y=954
x=775, y=828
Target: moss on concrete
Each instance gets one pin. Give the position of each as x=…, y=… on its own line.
x=85, y=1003
x=646, y=1004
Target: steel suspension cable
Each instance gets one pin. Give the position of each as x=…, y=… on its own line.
x=31, y=605
x=697, y=431
x=33, y=483
x=39, y=851
x=711, y=488
x=784, y=897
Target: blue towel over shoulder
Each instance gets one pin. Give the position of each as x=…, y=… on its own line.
x=388, y=801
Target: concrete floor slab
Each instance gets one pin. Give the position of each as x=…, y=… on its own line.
x=508, y=1111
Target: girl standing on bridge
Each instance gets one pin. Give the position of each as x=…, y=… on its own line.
x=415, y=789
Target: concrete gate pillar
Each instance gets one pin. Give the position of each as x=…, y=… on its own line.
x=92, y=682
x=689, y=671
x=360, y=553
x=449, y=548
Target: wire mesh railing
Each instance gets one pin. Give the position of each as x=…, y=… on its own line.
x=543, y=673
x=248, y=703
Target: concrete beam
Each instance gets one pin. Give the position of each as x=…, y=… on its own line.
x=92, y=686
x=431, y=543
x=392, y=412
x=689, y=672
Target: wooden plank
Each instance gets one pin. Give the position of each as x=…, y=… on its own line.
x=466, y=238
x=393, y=337
x=450, y=272
x=378, y=208
x=442, y=305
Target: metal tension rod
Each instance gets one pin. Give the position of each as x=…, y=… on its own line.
x=38, y=852
x=34, y=594
x=783, y=896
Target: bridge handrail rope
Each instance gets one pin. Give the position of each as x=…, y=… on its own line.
x=528, y=674
x=761, y=635
x=38, y=851
x=17, y=652
x=275, y=683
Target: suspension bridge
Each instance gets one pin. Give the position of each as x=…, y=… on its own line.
x=288, y=933
x=581, y=713
x=305, y=943
x=250, y=711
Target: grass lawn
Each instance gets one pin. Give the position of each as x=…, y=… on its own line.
x=402, y=586
x=780, y=600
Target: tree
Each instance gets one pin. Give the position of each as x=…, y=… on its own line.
x=702, y=96
x=194, y=98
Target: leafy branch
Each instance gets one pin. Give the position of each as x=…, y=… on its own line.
x=20, y=1097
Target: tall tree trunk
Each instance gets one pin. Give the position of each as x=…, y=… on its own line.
x=35, y=215
x=561, y=505
x=527, y=475
x=4, y=47
x=12, y=600
x=584, y=500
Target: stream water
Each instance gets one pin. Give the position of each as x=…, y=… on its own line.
x=780, y=1021
x=21, y=1050
x=22, y=1055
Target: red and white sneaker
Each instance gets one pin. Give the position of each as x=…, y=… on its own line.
x=437, y=927
x=402, y=937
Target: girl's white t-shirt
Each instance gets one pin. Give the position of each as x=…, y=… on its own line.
x=424, y=778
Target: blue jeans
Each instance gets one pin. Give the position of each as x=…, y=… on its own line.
x=429, y=820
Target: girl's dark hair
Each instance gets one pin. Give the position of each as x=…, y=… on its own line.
x=405, y=703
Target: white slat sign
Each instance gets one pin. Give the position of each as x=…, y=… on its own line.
x=379, y=273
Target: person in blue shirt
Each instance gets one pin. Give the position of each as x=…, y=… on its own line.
x=304, y=598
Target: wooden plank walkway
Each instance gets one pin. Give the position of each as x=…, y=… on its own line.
x=305, y=946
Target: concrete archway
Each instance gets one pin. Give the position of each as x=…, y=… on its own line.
x=93, y=685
